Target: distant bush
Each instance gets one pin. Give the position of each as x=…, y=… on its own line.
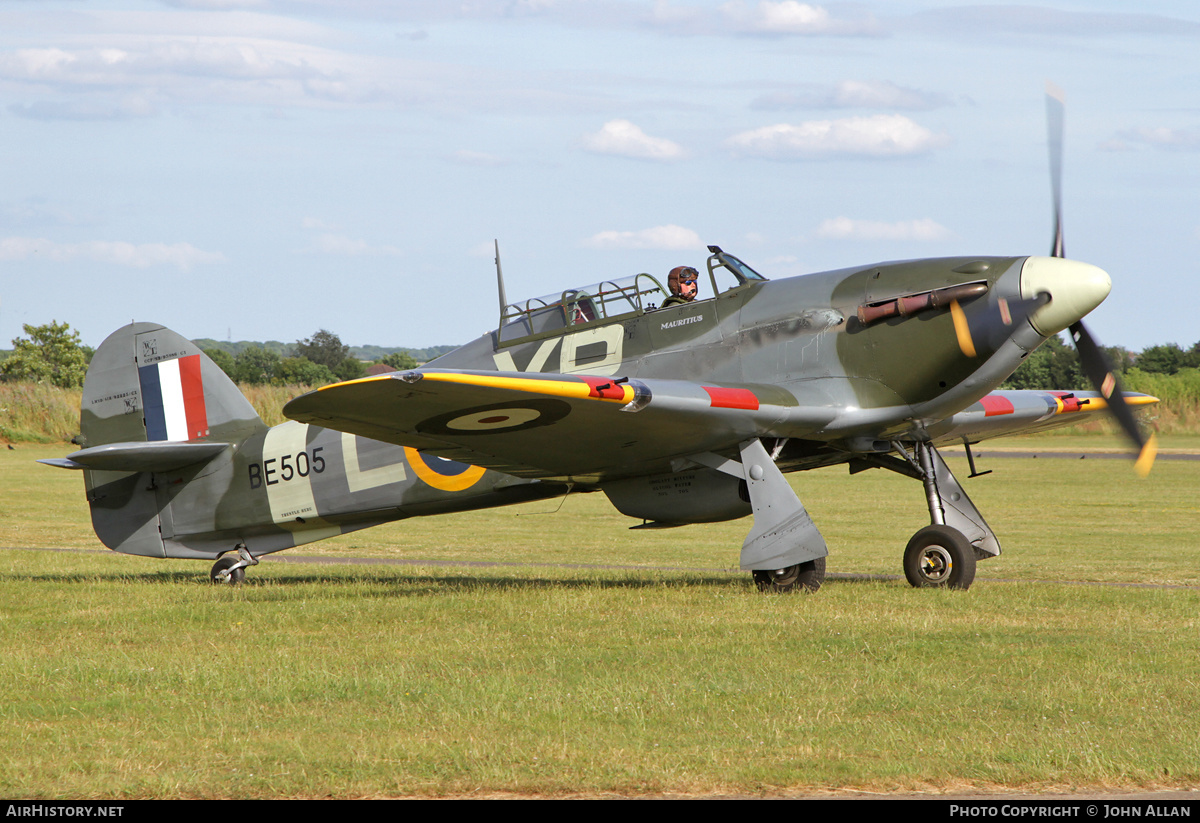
x=42, y=413
x=269, y=401
x=1179, y=393
x=38, y=413
x=398, y=361
x=51, y=354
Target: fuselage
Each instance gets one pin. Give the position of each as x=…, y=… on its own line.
x=894, y=343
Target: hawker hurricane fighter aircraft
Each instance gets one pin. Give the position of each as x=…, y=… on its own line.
x=679, y=410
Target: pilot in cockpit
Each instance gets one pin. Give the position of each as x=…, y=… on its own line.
x=682, y=283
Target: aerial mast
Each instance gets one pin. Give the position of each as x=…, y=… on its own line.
x=500, y=281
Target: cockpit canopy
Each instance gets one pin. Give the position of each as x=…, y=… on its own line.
x=611, y=300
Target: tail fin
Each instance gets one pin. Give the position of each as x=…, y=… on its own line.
x=152, y=402
x=148, y=384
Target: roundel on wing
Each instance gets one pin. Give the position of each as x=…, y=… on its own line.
x=447, y=475
x=498, y=418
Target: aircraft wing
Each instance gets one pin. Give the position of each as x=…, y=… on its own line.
x=555, y=425
x=592, y=428
x=1002, y=413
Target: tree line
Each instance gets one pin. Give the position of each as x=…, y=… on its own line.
x=53, y=354
x=1055, y=365
x=313, y=361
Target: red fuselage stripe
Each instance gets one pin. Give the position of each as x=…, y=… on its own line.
x=996, y=405
x=732, y=398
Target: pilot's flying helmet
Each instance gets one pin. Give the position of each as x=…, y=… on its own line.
x=680, y=275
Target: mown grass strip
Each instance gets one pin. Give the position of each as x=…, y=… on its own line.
x=129, y=677
x=373, y=683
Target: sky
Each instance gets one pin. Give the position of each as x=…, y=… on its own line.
x=262, y=169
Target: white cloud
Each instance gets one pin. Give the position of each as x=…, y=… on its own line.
x=329, y=243
x=476, y=158
x=674, y=238
x=317, y=224
x=184, y=58
x=216, y=5
x=130, y=65
x=622, y=138
x=843, y=228
x=676, y=18
x=137, y=255
x=137, y=69
x=331, y=240
x=852, y=94
x=877, y=94
x=1159, y=138
x=791, y=17
x=226, y=57
x=786, y=17
x=883, y=135
x=996, y=19
x=76, y=109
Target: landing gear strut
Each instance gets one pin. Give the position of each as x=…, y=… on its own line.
x=943, y=554
x=231, y=570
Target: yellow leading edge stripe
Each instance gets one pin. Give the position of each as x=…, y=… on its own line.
x=554, y=388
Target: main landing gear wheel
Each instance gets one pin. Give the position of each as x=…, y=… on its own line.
x=806, y=577
x=221, y=571
x=939, y=557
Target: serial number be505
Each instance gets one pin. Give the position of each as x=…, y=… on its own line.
x=290, y=466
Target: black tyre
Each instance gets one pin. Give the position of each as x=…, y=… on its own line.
x=939, y=557
x=234, y=577
x=806, y=577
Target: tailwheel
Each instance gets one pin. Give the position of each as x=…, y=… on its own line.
x=939, y=557
x=806, y=577
x=223, y=571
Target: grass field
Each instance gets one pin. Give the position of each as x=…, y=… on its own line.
x=599, y=660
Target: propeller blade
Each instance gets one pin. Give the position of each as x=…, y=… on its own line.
x=991, y=325
x=1055, y=115
x=1100, y=372
x=962, y=330
x=1092, y=359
